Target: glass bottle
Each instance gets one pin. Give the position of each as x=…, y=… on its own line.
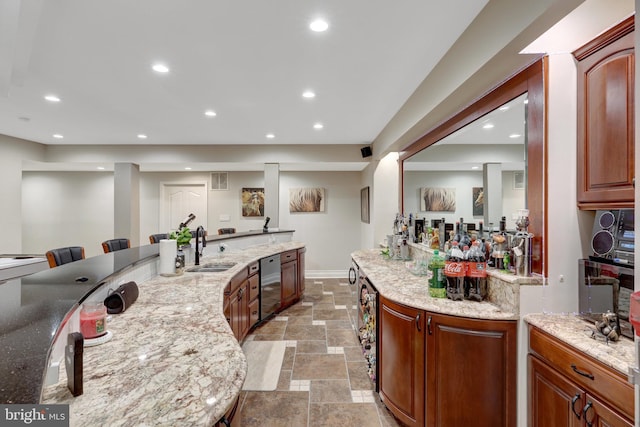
x=437, y=281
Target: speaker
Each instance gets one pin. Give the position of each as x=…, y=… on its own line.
x=366, y=151
x=603, y=234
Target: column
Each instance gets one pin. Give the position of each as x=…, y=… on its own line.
x=492, y=183
x=272, y=193
x=126, y=206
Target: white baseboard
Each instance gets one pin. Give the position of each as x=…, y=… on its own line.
x=326, y=274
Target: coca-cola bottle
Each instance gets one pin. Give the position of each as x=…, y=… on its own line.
x=454, y=272
x=476, y=276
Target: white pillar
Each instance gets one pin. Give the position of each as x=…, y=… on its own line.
x=492, y=183
x=272, y=193
x=126, y=202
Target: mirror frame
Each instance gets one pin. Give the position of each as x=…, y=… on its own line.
x=530, y=80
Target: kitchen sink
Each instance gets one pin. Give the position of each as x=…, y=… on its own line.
x=210, y=268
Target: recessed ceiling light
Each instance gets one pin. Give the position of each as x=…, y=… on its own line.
x=319, y=25
x=475, y=167
x=504, y=108
x=100, y=168
x=526, y=101
x=160, y=68
x=52, y=98
x=187, y=168
x=270, y=135
x=142, y=136
x=57, y=136
x=210, y=113
x=318, y=126
x=308, y=94
x=488, y=126
x=515, y=135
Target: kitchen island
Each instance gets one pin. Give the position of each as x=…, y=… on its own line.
x=173, y=359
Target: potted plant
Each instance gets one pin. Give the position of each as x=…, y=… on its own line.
x=182, y=237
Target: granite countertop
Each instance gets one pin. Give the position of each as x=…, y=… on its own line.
x=173, y=359
x=571, y=329
x=394, y=281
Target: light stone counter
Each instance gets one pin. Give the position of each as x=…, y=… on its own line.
x=173, y=360
x=394, y=281
x=574, y=331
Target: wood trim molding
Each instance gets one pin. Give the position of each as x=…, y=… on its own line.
x=614, y=33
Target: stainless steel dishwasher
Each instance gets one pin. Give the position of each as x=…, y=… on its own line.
x=270, y=285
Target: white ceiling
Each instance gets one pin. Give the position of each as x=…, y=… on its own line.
x=249, y=61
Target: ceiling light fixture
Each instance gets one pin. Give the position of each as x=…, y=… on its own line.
x=52, y=98
x=57, y=136
x=319, y=25
x=142, y=136
x=488, y=126
x=160, y=68
x=318, y=126
x=210, y=113
x=270, y=135
x=308, y=94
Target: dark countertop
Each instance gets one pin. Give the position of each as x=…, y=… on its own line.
x=32, y=309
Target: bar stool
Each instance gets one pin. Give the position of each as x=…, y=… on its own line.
x=115, y=245
x=155, y=238
x=60, y=256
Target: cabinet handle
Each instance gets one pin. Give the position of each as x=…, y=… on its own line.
x=429, y=326
x=588, y=406
x=228, y=320
x=573, y=404
x=240, y=293
x=418, y=322
x=225, y=421
x=579, y=372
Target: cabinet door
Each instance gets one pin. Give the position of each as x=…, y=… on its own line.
x=239, y=311
x=254, y=312
x=554, y=401
x=606, y=125
x=401, y=344
x=597, y=414
x=300, y=288
x=471, y=372
x=289, y=277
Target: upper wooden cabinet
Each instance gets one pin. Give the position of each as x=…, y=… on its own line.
x=606, y=120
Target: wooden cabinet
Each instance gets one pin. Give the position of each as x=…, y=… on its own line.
x=241, y=305
x=288, y=277
x=606, y=119
x=568, y=388
x=440, y=370
x=471, y=372
x=301, y=278
x=401, y=358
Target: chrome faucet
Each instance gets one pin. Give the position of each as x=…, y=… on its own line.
x=200, y=233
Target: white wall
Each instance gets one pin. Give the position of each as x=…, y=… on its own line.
x=330, y=236
x=386, y=189
x=66, y=209
x=12, y=153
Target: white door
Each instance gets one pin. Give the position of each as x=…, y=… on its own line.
x=178, y=201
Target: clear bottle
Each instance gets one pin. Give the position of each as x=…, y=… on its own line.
x=437, y=281
x=454, y=271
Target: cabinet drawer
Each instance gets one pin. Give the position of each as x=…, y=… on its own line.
x=254, y=312
x=254, y=287
x=236, y=281
x=288, y=256
x=604, y=382
x=254, y=268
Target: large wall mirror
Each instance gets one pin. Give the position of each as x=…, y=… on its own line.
x=488, y=159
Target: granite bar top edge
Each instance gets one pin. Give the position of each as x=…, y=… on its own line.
x=394, y=281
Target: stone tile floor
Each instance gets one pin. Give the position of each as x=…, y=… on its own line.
x=323, y=381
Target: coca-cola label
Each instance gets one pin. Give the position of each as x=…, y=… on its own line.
x=454, y=269
x=477, y=269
